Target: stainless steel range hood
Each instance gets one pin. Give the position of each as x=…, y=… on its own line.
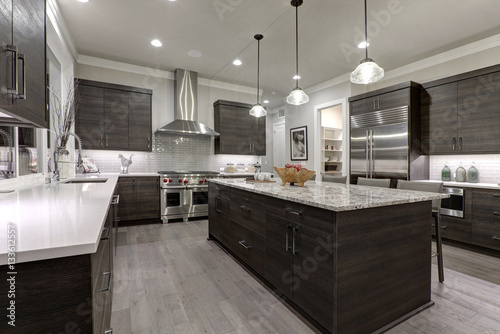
x=186, y=107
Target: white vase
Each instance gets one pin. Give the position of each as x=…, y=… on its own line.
x=64, y=164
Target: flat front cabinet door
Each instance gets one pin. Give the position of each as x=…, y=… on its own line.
x=30, y=40
x=116, y=119
x=259, y=142
x=279, y=257
x=139, y=122
x=439, y=119
x=6, y=58
x=90, y=117
x=478, y=114
x=148, y=197
x=127, y=205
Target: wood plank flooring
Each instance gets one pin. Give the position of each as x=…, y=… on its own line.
x=170, y=279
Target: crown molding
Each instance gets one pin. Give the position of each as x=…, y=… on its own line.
x=57, y=20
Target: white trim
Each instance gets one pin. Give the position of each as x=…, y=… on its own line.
x=56, y=19
x=149, y=71
x=462, y=51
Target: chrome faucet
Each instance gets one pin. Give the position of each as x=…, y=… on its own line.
x=56, y=155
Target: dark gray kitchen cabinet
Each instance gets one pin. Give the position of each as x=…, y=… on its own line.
x=460, y=113
x=219, y=206
x=381, y=101
x=139, y=198
x=458, y=228
x=113, y=117
x=486, y=218
x=240, y=133
x=22, y=60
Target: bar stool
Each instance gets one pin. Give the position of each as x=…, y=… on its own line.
x=335, y=179
x=384, y=183
x=435, y=187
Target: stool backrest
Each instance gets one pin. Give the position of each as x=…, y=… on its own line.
x=336, y=179
x=384, y=183
x=432, y=187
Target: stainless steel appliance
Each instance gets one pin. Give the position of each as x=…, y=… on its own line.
x=184, y=194
x=380, y=145
x=455, y=204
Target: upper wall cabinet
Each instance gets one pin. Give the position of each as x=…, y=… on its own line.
x=113, y=117
x=240, y=133
x=461, y=115
x=22, y=60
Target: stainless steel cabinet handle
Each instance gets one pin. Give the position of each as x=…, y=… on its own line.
x=13, y=49
x=294, y=234
x=22, y=96
x=108, y=229
x=453, y=143
x=496, y=213
x=100, y=139
x=245, y=209
x=287, y=244
x=371, y=154
x=149, y=142
x=495, y=238
x=217, y=207
x=293, y=212
x=109, y=281
x=443, y=227
x=106, y=140
x=108, y=331
x=242, y=242
x=459, y=143
x=116, y=200
x=496, y=195
x=367, y=153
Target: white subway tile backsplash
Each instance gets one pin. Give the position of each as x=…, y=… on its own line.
x=170, y=152
x=487, y=164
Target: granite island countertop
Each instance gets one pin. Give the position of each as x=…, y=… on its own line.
x=333, y=196
x=55, y=220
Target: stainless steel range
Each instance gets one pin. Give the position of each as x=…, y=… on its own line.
x=184, y=194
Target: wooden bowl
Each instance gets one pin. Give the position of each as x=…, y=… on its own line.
x=291, y=175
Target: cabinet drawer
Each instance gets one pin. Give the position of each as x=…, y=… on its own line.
x=248, y=246
x=486, y=234
x=247, y=210
x=486, y=205
x=455, y=229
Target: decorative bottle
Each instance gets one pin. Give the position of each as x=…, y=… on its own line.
x=472, y=174
x=460, y=174
x=446, y=173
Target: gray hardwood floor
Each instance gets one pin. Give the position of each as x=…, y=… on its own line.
x=170, y=279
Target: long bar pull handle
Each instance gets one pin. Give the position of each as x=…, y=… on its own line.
x=108, y=229
x=13, y=49
x=108, y=331
x=149, y=142
x=242, y=242
x=100, y=140
x=496, y=213
x=371, y=154
x=367, y=155
x=245, y=209
x=287, y=243
x=109, y=281
x=453, y=143
x=293, y=212
x=107, y=141
x=459, y=143
x=495, y=238
x=22, y=96
x=496, y=195
x=294, y=234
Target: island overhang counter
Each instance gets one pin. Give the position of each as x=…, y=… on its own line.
x=352, y=259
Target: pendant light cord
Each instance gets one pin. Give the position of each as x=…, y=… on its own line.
x=366, y=35
x=297, y=44
x=258, y=69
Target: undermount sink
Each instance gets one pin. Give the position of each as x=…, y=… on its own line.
x=95, y=180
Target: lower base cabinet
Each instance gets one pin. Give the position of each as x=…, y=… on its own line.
x=64, y=295
x=139, y=198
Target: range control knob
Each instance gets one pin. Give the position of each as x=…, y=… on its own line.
x=201, y=181
x=170, y=180
x=185, y=181
x=165, y=180
x=180, y=180
x=205, y=180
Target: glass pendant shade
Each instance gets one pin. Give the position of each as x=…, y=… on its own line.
x=297, y=97
x=258, y=111
x=367, y=72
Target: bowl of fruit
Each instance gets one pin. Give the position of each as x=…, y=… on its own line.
x=294, y=174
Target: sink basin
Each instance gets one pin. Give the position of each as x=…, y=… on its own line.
x=95, y=180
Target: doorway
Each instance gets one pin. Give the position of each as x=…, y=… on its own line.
x=279, y=151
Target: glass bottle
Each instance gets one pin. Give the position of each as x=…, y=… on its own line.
x=446, y=173
x=460, y=173
x=472, y=174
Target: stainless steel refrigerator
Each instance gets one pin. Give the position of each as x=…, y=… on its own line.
x=380, y=145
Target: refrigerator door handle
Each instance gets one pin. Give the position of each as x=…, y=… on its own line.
x=372, y=167
x=367, y=153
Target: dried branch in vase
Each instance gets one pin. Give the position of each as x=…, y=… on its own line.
x=63, y=111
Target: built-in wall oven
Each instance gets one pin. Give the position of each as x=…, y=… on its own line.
x=184, y=194
x=453, y=206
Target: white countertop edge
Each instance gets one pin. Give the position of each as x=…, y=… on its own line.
x=493, y=186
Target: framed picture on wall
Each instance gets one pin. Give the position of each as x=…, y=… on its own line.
x=298, y=143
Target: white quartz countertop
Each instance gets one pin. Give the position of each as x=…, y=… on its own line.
x=493, y=186
x=55, y=220
x=333, y=196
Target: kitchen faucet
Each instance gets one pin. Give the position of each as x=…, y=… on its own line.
x=56, y=154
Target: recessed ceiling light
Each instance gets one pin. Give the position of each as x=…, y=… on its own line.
x=266, y=101
x=273, y=92
x=363, y=45
x=194, y=53
x=296, y=77
x=237, y=62
x=156, y=43
x=83, y=0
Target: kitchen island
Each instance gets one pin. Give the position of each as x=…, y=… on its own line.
x=352, y=259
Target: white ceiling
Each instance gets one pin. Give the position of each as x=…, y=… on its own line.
x=223, y=30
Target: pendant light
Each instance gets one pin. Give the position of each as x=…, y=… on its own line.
x=297, y=96
x=367, y=71
x=258, y=110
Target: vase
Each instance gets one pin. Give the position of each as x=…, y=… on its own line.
x=63, y=163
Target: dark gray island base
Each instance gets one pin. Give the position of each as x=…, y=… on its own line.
x=359, y=267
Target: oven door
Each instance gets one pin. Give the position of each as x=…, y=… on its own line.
x=175, y=202
x=454, y=205
x=199, y=200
